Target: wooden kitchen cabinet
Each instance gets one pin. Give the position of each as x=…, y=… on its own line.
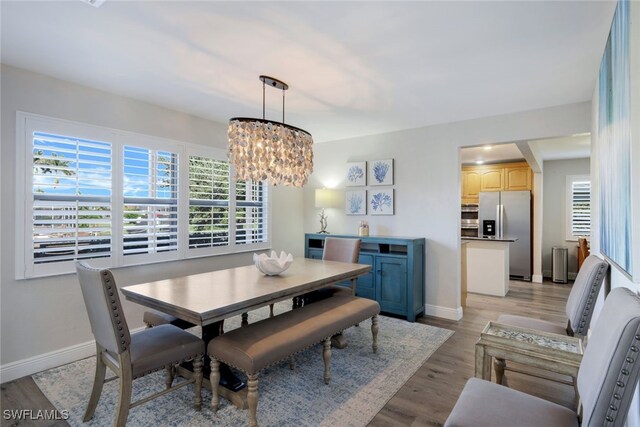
x=517, y=178
x=495, y=177
x=492, y=179
x=470, y=184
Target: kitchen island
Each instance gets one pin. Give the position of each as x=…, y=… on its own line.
x=487, y=264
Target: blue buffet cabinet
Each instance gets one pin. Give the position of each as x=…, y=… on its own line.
x=396, y=279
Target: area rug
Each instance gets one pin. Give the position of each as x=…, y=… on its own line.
x=362, y=382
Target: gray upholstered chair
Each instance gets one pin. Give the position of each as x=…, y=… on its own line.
x=579, y=308
x=342, y=250
x=338, y=249
x=607, y=380
x=131, y=356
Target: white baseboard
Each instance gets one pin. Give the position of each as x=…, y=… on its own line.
x=22, y=368
x=443, y=312
x=536, y=278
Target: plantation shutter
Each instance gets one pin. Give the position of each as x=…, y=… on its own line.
x=150, y=187
x=208, y=202
x=580, y=207
x=251, y=212
x=71, y=191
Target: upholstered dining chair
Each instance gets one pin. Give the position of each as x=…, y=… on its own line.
x=342, y=250
x=338, y=249
x=131, y=356
x=579, y=309
x=607, y=379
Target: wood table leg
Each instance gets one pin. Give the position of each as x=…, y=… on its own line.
x=483, y=363
x=499, y=366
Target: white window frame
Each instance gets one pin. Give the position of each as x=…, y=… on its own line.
x=28, y=123
x=151, y=143
x=569, y=237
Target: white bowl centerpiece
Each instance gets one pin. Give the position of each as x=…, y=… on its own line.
x=274, y=264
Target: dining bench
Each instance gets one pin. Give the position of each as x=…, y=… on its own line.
x=267, y=342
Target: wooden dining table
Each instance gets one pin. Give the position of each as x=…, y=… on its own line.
x=206, y=299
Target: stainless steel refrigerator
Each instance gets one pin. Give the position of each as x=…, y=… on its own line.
x=511, y=211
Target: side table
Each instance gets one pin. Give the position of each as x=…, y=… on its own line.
x=556, y=353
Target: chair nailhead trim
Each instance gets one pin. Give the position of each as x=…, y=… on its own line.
x=619, y=390
x=586, y=313
x=110, y=294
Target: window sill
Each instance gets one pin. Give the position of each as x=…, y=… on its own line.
x=67, y=272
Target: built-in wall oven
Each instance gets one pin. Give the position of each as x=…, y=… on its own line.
x=469, y=220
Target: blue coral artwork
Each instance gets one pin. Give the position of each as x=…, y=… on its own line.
x=381, y=202
x=381, y=172
x=356, y=202
x=356, y=174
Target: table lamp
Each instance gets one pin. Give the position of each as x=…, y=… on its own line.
x=326, y=198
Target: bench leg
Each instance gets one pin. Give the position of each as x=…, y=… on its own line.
x=214, y=379
x=198, y=363
x=252, y=398
x=292, y=363
x=326, y=356
x=270, y=310
x=170, y=375
x=374, y=332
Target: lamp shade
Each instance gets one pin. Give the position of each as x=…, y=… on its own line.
x=326, y=198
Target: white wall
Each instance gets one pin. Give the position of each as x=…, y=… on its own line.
x=554, y=220
x=538, y=226
x=533, y=156
x=427, y=184
x=46, y=315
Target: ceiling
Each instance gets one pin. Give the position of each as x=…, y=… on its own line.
x=491, y=154
x=354, y=68
x=570, y=147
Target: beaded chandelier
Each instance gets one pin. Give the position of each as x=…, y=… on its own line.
x=262, y=149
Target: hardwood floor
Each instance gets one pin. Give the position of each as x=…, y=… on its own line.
x=428, y=397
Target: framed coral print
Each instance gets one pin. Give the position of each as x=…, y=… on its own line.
x=355, y=202
x=356, y=174
x=381, y=202
x=381, y=172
